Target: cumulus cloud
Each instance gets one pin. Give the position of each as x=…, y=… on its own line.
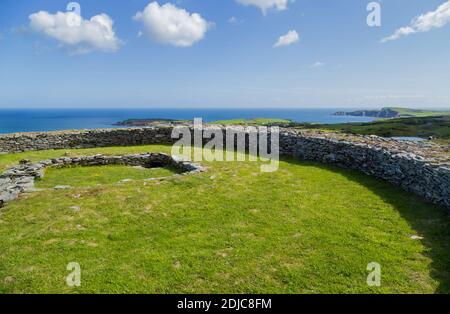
x=424, y=23
x=172, y=25
x=75, y=32
x=265, y=5
x=290, y=38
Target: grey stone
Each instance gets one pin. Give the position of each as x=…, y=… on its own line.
x=62, y=187
x=75, y=208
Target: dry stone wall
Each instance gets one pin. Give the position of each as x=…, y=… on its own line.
x=421, y=168
x=21, y=178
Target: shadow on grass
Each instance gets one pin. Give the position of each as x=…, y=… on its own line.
x=430, y=221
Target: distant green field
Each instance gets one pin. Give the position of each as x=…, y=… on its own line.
x=257, y=121
x=404, y=112
x=437, y=127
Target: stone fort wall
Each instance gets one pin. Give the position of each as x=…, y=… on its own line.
x=423, y=169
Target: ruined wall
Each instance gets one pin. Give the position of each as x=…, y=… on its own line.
x=20, y=178
x=418, y=168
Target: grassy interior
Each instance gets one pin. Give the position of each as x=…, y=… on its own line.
x=98, y=175
x=307, y=228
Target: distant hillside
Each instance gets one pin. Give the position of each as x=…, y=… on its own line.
x=147, y=122
x=437, y=127
x=172, y=122
x=393, y=112
x=257, y=121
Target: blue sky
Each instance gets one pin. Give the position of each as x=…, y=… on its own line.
x=231, y=61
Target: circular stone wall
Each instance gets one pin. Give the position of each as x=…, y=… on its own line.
x=21, y=178
x=420, y=168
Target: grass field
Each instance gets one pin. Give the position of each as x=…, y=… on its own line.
x=256, y=121
x=307, y=228
x=406, y=112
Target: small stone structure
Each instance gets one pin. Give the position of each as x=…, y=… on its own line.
x=21, y=178
x=421, y=168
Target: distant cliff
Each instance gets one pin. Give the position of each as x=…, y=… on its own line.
x=390, y=112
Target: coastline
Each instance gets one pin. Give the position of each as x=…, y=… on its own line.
x=40, y=120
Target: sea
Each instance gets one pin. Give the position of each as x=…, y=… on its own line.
x=33, y=120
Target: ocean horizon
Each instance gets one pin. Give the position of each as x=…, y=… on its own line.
x=50, y=119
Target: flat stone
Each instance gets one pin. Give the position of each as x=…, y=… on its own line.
x=9, y=195
x=62, y=187
x=75, y=208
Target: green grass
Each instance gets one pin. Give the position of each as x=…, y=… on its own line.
x=257, y=121
x=98, y=175
x=307, y=228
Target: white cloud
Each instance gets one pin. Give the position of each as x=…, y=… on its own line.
x=171, y=25
x=82, y=35
x=317, y=64
x=290, y=38
x=424, y=23
x=265, y=5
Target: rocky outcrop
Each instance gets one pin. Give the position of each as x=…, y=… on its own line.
x=21, y=178
x=421, y=168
